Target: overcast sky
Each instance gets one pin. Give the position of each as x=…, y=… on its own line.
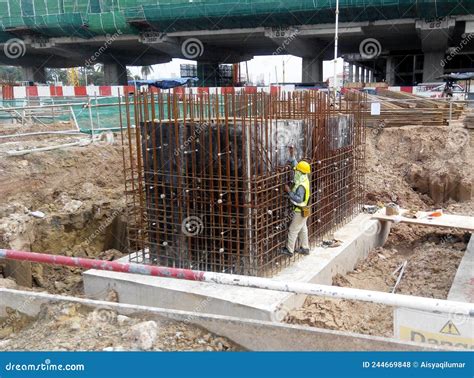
x=261, y=65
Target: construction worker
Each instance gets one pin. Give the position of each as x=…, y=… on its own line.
x=299, y=196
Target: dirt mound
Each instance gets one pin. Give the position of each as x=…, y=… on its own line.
x=419, y=166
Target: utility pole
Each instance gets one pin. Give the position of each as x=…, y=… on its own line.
x=336, y=40
x=284, y=81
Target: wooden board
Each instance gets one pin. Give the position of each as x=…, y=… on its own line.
x=460, y=222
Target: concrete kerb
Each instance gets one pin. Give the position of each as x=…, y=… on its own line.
x=250, y=334
x=443, y=329
x=358, y=237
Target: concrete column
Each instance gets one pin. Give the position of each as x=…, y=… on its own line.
x=350, y=77
x=434, y=42
x=357, y=73
x=115, y=74
x=312, y=70
x=208, y=74
x=35, y=74
x=390, y=71
x=432, y=65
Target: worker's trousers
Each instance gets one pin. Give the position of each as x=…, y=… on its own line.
x=298, y=228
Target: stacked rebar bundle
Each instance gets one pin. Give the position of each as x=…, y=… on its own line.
x=204, y=174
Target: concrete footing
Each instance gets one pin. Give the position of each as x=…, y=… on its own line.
x=358, y=237
x=250, y=334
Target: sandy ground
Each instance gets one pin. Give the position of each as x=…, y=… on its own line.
x=432, y=255
x=79, y=190
x=66, y=327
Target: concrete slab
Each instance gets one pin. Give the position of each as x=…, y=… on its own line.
x=462, y=289
x=254, y=335
x=358, y=237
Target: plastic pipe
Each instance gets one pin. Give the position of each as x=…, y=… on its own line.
x=388, y=299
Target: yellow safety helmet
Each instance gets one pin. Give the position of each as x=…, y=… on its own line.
x=303, y=167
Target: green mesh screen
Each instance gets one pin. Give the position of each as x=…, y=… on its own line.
x=89, y=17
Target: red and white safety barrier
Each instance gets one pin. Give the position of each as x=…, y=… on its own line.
x=44, y=91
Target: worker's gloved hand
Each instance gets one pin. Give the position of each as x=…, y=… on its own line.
x=287, y=189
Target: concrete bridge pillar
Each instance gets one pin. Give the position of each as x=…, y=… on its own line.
x=432, y=65
x=390, y=71
x=115, y=74
x=35, y=74
x=434, y=41
x=357, y=73
x=312, y=70
x=350, y=76
x=208, y=74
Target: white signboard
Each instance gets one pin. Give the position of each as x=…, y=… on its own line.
x=375, y=108
x=446, y=330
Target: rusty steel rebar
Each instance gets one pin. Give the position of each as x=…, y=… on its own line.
x=205, y=174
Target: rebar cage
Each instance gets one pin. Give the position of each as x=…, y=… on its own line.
x=204, y=174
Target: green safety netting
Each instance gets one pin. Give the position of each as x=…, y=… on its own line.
x=106, y=116
x=89, y=17
x=98, y=118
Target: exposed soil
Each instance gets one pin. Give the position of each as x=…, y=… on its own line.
x=78, y=192
x=432, y=256
x=65, y=327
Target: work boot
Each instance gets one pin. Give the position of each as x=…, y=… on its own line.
x=286, y=251
x=303, y=251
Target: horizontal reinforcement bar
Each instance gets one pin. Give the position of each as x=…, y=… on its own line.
x=395, y=300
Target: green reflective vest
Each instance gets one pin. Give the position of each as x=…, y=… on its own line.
x=302, y=181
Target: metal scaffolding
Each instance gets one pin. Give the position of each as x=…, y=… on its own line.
x=204, y=174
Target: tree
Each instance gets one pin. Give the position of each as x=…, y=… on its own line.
x=146, y=70
x=10, y=75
